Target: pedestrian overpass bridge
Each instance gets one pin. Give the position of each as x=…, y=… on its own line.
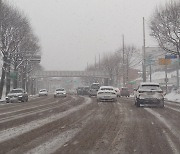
x=49, y=74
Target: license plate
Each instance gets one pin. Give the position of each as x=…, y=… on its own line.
x=150, y=93
x=13, y=98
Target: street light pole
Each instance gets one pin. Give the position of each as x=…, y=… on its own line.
x=123, y=62
x=144, y=53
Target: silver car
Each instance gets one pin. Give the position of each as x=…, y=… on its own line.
x=61, y=92
x=149, y=93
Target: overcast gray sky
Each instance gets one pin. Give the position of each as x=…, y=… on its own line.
x=73, y=32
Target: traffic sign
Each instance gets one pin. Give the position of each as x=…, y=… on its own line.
x=13, y=75
x=170, y=56
x=132, y=82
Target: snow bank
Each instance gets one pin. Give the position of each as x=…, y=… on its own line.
x=173, y=96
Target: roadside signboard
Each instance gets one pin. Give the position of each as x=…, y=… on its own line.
x=163, y=61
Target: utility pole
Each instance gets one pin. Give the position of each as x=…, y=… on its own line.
x=123, y=62
x=127, y=65
x=99, y=61
x=87, y=65
x=177, y=71
x=150, y=72
x=144, y=53
x=95, y=61
x=166, y=78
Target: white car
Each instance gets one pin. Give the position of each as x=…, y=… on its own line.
x=149, y=93
x=61, y=92
x=106, y=93
x=43, y=92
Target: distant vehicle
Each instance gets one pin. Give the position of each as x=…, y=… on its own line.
x=149, y=93
x=94, y=89
x=72, y=91
x=43, y=92
x=106, y=93
x=60, y=92
x=83, y=90
x=124, y=92
x=17, y=94
x=117, y=92
x=86, y=90
x=80, y=90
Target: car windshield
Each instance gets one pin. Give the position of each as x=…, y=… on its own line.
x=60, y=89
x=80, y=88
x=106, y=88
x=16, y=91
x=150, y=87
x=44, y=90
x=95, y=86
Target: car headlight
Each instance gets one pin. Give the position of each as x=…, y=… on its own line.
x=20, y=96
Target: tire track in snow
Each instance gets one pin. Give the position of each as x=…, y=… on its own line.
x=62, y=139
x=173, y=146
x=177, y=110
x=172, y=129
x=16, y=131
x=55, y=143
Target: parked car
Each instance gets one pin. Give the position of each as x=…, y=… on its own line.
x=60, y=92
x=43, y=92
x=117, y=92
x=94, y=89
x=17, y=94
x=149, y=93
x=106, y=93
x=124, y=92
